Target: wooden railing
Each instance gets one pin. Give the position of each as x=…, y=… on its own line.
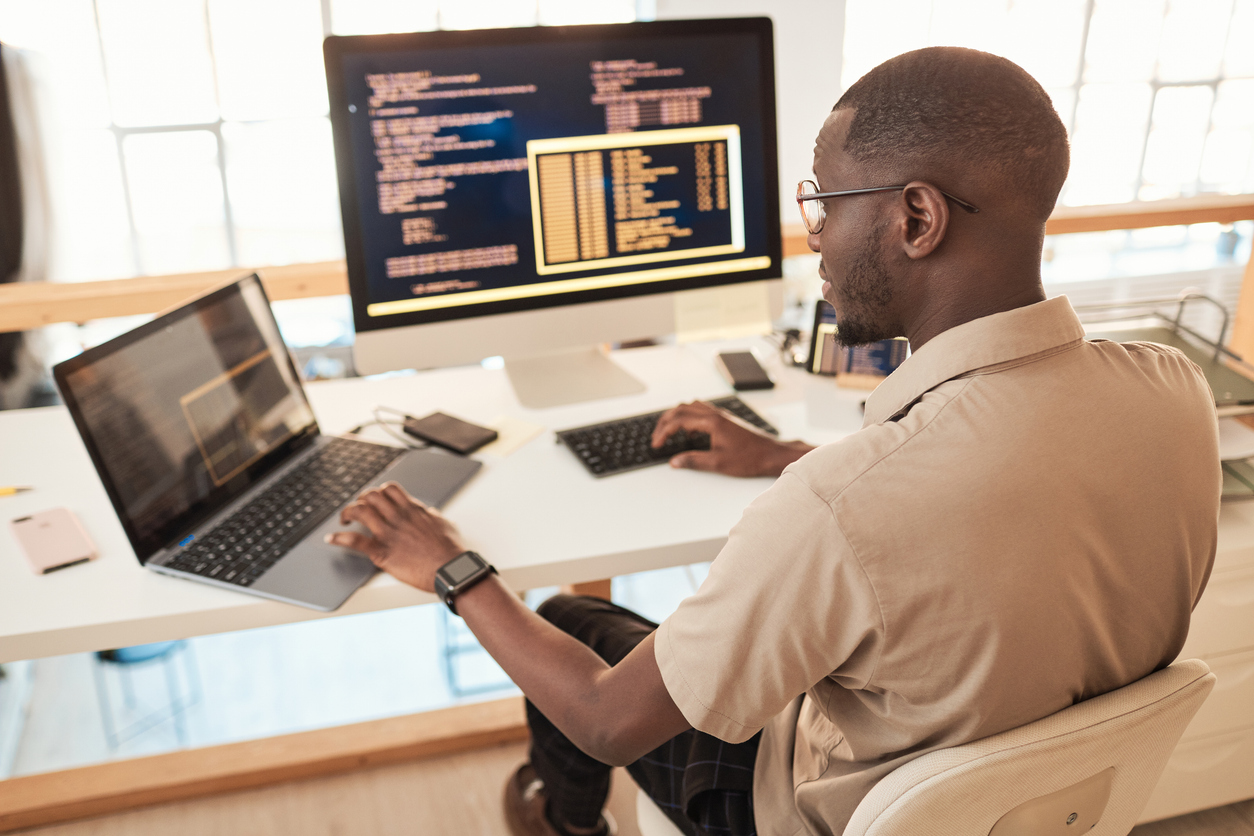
x=30, y=305
x=35, y=304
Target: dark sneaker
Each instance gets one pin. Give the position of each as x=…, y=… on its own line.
x=525, y=804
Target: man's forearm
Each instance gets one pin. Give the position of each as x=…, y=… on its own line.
x=615, y=719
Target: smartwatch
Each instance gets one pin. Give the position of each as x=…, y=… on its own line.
x=460, y=574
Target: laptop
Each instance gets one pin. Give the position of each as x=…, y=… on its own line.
x=200, y=430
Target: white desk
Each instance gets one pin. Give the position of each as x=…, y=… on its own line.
x=537, y=514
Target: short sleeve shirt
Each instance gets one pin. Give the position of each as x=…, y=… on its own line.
x=1025, y=520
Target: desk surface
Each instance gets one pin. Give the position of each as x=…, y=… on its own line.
x=535, y=513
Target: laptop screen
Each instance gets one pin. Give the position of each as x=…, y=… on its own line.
x=183, y=414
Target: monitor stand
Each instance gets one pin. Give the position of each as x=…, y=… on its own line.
x=566, y=377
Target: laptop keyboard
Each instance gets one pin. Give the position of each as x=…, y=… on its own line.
x=626, y=443
x=243, y=546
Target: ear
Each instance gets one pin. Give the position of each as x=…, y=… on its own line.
x=926, y=216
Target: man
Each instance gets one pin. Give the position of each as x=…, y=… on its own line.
x=1025, y=520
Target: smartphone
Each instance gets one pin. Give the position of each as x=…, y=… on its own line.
x=449, y=432
x=825, y=353
x=52, y=540
x=743, y=371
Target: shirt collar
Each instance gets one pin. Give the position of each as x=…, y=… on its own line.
x=987, y=341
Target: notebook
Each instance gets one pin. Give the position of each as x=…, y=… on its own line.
x=201, y=432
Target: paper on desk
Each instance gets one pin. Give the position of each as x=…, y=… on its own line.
x=1236, y=440
x=511, y=433
x=721, y=313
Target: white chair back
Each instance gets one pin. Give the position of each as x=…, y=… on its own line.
x=1087, y=769
x=1092, y=765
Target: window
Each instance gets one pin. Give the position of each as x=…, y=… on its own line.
x=188, y=135
x=1157, y=95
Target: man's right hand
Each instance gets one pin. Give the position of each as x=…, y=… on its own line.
x=736, y=448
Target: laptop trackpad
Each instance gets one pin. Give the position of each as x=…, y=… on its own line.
x=322, y=576
x=430, y=476
x=317, y=574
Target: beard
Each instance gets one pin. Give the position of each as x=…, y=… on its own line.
x=864, y=295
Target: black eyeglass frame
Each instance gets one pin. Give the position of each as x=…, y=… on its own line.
x=968, y=207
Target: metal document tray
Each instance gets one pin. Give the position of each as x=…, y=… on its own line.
x=1230, y=377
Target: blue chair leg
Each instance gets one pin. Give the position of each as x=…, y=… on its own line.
x=179, y=698
x=176, y=699
x=106, y=708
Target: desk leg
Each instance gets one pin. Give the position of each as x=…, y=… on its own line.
x=596, y=589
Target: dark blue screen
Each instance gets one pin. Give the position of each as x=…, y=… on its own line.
x=449, y=204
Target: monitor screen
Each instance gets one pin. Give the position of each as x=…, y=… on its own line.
x=493, y=171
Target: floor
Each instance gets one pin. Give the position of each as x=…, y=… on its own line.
x=405, y=799
x=413, y=799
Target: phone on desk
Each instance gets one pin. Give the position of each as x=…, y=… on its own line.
x=52, y=540
x=450, y=433
x=743, y=371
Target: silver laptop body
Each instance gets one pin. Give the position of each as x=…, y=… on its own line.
x=194, y=418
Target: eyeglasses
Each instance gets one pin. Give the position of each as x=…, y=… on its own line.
x=813, y=213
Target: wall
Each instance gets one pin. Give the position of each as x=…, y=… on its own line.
x=808, y=39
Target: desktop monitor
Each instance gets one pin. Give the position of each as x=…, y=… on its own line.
x=532, y=193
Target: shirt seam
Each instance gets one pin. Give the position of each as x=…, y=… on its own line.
x=965, y=383
x=879, y=609
x=1026, y=360
x=836, y=519
x=990, y=368
x=692, y=692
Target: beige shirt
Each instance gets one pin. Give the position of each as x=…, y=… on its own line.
x=1025, y=520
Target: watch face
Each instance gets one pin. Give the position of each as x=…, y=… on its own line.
x=460, y=568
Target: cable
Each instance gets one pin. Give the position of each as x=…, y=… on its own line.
x=788, y=342
x=388, y=427
x=379, y=409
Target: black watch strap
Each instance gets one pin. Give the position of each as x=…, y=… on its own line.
x=460, y=574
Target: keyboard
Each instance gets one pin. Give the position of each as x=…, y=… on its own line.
x=244, y=545
x=626, y=443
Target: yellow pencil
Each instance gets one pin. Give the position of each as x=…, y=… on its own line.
x=9, y=491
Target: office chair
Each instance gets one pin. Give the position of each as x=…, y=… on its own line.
x=1087, y=769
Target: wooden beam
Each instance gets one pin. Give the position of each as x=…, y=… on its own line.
x=28, y=305
x=35, y=304
x=1215, y=208
x=795, y=240
x=35, y=800
x=1138, y=215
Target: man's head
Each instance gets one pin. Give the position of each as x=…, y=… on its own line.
x=945, y=121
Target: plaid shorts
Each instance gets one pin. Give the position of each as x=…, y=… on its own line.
x=702, y=784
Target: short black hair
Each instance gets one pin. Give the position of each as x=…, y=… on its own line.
x=931, y=108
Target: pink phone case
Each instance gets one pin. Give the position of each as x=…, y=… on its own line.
x=52, y=540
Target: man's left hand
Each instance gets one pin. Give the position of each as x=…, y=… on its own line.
x=407, y=539
x=736, y=448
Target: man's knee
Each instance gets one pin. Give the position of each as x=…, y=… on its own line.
x=610, y=630
x=558, y=609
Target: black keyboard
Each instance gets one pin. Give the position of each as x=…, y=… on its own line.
x=626, y=443
x=244, y=545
